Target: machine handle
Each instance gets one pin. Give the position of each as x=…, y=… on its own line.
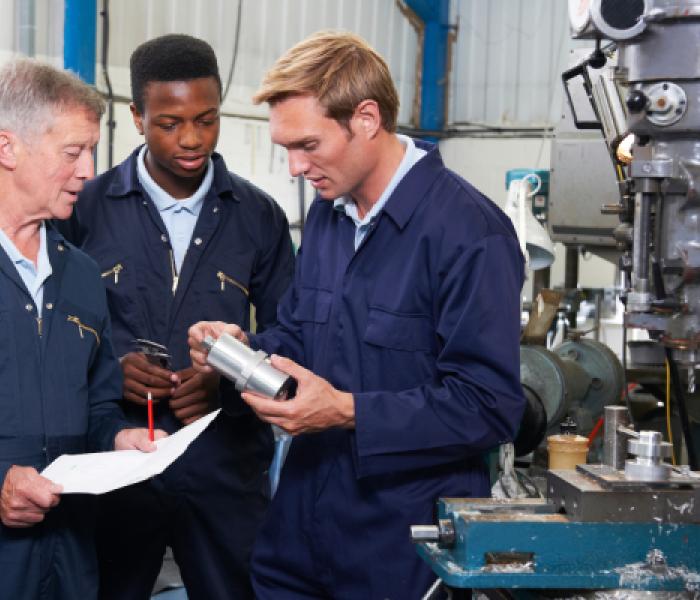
x=582, y=70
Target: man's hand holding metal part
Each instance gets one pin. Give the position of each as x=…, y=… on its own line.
x=316, y=406
x=214, y=329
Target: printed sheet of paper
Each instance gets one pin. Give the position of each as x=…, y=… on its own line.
x=101, y=472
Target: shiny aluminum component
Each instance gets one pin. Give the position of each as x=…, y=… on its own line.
x=248, y=369
x=443, y=534
x=650, y=451
x=425, y=533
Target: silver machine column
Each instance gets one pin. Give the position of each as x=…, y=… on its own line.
x=658, y=64
x=630, y=526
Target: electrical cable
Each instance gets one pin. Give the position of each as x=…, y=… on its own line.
x=668, y=412
x=595, y=430
x=110, y=92
x=682, y=410
x=235, y=52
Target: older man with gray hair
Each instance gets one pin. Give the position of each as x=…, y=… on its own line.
x=59, y=377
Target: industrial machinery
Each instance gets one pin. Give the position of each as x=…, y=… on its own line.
x=575, y=379
x=646, y=105
x=628, y=527
x=624, y=526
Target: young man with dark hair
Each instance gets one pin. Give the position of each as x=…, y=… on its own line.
x=178, y=239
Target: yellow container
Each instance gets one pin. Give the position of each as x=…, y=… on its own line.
x=567, y=451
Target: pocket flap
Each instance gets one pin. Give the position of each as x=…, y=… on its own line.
x=314, y=305
x=399, y=331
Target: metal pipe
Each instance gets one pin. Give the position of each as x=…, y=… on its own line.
x=641, y=241
x=110, y=92
x=79, y=46
x=435, y=15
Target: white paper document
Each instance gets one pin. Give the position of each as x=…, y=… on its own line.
x=101, y=472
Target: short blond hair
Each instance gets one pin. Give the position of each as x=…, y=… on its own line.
x=339, y=69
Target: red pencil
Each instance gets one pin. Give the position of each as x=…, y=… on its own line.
x=150, y=417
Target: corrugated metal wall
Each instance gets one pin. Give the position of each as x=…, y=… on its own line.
x=40, y=20
x=268, y=28
x=507, y=61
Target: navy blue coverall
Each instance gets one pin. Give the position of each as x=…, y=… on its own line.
x=422, y=325
x=59, y=386
x=209, y=504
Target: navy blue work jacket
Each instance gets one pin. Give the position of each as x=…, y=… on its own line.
x=59, y=386
x=422, y=325
x=240, y=253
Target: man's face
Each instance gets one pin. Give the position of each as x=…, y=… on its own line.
x=53, y=167
x=335, y=162
x=181, y=125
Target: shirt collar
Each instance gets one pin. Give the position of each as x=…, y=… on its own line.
x=126, y=181
x=43, y=265
x=412, y=189
x=411, y=156
x=165, y=201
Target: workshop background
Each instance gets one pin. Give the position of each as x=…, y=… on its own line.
x=484, y=77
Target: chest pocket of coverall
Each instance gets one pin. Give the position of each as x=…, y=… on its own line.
x=79, y=331
x=119, y=278
x=399, y=345
x=312, y=311
x=226, y=288
x=313, y=305
x=399, y=331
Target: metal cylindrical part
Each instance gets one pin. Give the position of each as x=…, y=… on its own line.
x=641, y=238
x=640, y=469
x=425, y=533
x=649, y=445
x=614, y=446
x=248, y=369
x=649, y=450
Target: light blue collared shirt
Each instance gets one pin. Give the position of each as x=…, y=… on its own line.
x=34, y=277
x=179, y=216
x=412, y=155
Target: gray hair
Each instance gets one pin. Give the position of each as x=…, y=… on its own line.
x=32, y=92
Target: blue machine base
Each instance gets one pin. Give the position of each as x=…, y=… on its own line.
x=538, y=551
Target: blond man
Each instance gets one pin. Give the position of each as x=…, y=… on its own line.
x=401, y=329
